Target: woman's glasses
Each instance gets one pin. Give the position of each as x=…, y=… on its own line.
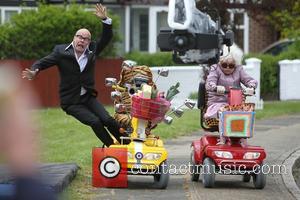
x=228, y=65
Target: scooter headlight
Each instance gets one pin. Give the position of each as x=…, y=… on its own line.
x=251, y=155
x=152, y=156
x=223, y=154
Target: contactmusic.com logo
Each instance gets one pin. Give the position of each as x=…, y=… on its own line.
x=109, y=167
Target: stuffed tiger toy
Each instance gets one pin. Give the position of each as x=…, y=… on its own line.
x=127, y=76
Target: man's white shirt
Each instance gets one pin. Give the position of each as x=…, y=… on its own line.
x=82, y=60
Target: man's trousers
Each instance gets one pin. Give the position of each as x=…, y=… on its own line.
x=92, y=113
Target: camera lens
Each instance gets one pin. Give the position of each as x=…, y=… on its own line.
x=181, y=41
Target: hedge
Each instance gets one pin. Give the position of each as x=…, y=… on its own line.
x=32, y=34
x=151, y=59
x=270, y=69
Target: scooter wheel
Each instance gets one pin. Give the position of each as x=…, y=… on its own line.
x=208, y=172
x=195, y=170
x=259, y=178
x=161, y=177
x=246, y=178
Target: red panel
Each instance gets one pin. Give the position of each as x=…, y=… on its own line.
x=109, y=167
x=47, y=82
x=198, y=153
x=106, y=68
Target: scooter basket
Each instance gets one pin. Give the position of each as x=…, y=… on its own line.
x=237, y=124
x=149, y=109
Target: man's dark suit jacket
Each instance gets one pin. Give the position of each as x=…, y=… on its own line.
x=71, y=79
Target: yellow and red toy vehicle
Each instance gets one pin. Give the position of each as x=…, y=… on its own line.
x=139, y=108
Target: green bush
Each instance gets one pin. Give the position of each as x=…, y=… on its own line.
x=287, y=19
x=293, y=52
x=193, y=95
x=269, y=78
x=33, y=33
x=154, y=59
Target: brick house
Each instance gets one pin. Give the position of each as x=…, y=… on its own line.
x=142, y=19
x=261, y=34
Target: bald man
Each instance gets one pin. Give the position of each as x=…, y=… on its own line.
x=76, y=65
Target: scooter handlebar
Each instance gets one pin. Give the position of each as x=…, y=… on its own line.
x=119, y=88
x=243, y=91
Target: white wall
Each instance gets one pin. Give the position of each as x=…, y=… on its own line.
x=289, y=79
x=252, y=68
x=187, y=76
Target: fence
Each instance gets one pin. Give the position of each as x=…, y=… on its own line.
x=47, y=82
x=289, y=80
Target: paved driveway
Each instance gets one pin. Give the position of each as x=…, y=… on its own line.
x=279, y=136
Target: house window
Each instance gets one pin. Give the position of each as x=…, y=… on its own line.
x=139, y=29
x=121, y=30
x=144, y=32
x=239, y=38
x=162, y=22
x=24, y=1
x=237, y=20
x=239, y=29
x=8, y=14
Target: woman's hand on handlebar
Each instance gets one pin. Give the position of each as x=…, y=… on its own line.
x=220, y=89
x=249, y=91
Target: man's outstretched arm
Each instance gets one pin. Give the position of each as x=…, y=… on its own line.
x=41, y=64
x=107, y=33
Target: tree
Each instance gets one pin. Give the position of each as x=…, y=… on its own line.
x=288, y=21
x=33, y=34
x=280, y=13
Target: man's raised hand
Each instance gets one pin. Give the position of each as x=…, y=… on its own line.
x=101, y=11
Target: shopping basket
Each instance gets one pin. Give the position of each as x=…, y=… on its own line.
x=149, y=109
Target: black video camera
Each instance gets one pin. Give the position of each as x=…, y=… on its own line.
x=201, y=43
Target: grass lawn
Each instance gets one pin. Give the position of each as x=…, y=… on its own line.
x=66, y=140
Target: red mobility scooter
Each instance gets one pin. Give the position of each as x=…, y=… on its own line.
x=235, y=157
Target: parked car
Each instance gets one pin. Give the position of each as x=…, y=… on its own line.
x=277, y=47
